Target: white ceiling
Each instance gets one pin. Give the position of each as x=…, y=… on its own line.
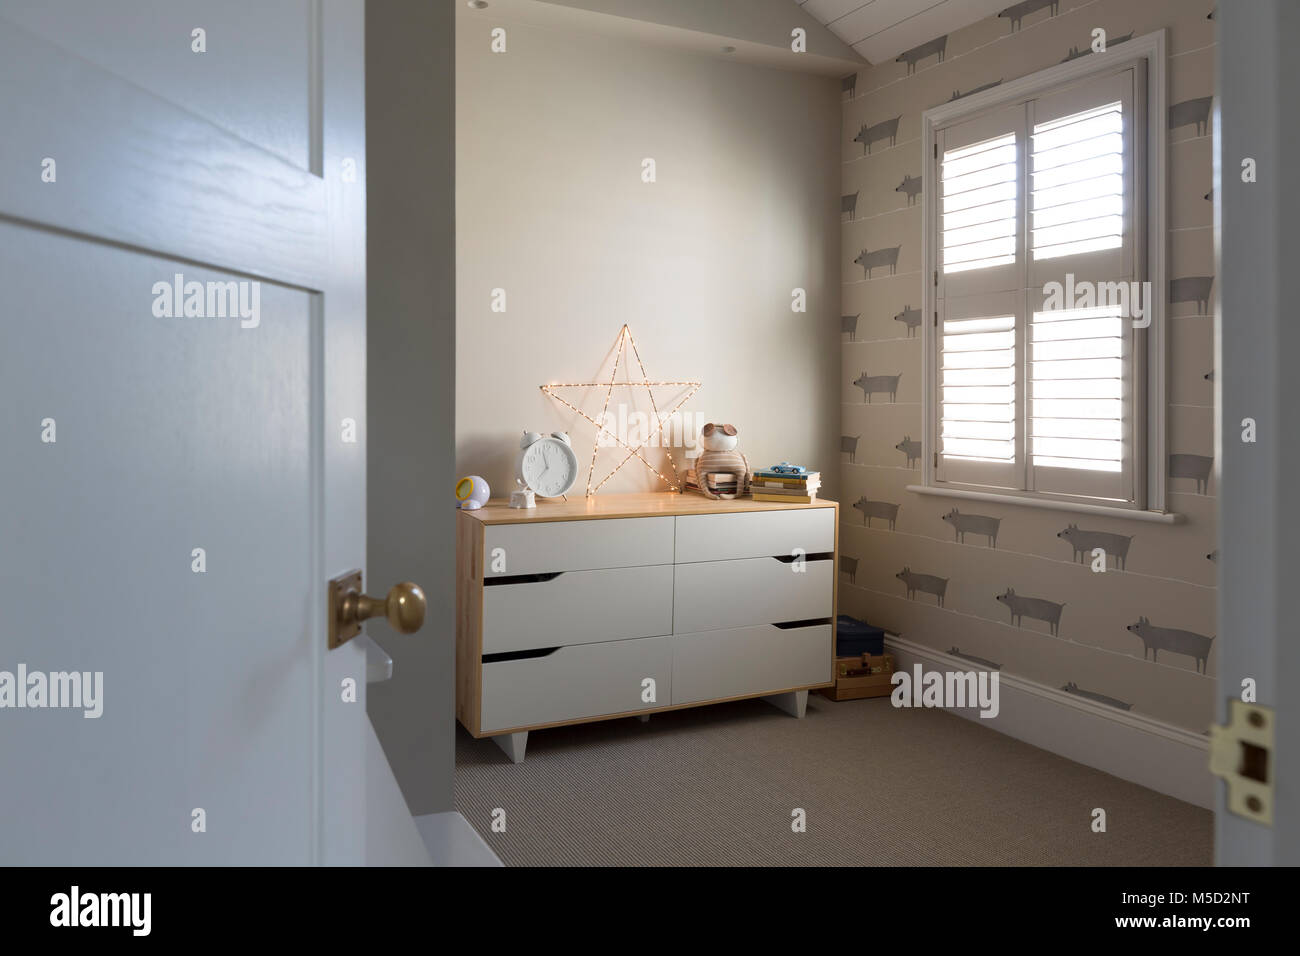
x=879, y=30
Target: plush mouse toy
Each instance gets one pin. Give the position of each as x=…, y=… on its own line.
x=720, y=457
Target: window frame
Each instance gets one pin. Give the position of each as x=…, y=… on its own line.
x=1149, y=447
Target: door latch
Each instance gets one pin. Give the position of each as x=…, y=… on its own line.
x=1242, y=754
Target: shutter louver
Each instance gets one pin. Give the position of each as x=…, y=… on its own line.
x=978, y=381
x=1078, y=183
x=1077, y=383
x=979, y=205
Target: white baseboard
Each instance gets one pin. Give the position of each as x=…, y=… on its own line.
x=1148, y=752
x=451, y=841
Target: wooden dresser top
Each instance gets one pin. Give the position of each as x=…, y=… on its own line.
x=642, y=505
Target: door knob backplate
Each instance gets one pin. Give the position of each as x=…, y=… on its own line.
x=341, y=631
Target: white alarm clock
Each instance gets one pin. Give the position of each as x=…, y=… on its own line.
x=547, y=465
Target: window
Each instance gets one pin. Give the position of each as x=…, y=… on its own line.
x=1044, y=340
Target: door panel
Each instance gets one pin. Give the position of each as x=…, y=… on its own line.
x=252, y=80
x=119, y=176
x=155, y=455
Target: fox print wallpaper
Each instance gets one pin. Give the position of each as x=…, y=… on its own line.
x=1015, y=584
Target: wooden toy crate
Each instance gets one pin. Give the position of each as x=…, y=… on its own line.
x=867, y=675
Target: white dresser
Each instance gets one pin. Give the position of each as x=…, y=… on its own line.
x=624, y=605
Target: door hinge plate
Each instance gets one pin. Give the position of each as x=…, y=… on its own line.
x=341, y=631
x=1242, y=754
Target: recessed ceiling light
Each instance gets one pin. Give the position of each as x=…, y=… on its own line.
x=477, y=4
x=728, y=49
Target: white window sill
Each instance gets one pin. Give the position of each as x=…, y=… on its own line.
x=1052, y=504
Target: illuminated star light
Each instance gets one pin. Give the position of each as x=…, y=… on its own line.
x=624, y=339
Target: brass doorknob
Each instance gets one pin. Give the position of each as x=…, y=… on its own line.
x=403, y=607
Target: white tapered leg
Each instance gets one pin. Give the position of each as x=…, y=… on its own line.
x=795, y=703
x=513, y=745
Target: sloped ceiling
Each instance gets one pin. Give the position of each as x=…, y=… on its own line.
x=879, y=30
x=753, y=31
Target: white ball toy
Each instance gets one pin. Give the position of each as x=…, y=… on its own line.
x=472, y=492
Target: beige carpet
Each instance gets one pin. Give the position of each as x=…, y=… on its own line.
x=881, y=787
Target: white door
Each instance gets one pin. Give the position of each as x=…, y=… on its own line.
x=146, y=145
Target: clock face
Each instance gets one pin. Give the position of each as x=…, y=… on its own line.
x=549, y=467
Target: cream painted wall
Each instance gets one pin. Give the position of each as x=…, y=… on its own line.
x=701, y=264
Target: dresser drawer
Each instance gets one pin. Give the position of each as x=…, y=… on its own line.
x=590, y=680
x=538, y=547
x=577, y=607
x=754, y=534
x=716, y=594
x=749, y=660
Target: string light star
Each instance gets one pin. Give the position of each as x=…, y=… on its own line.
x=633, y=451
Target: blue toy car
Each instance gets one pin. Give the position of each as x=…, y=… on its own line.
x=785, y=468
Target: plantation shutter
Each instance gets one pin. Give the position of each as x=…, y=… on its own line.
x=978, y=376
x=1085, y=408
x=979, y=321
x=1037, y=387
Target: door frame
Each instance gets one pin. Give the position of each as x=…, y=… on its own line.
x=1255, y=335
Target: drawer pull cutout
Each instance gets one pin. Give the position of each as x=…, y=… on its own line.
x=792, y=558
x=519, y=655
x=811, y=622
x=522, y=578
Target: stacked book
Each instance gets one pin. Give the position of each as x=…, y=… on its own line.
x=719, y=483
x=784, y=486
